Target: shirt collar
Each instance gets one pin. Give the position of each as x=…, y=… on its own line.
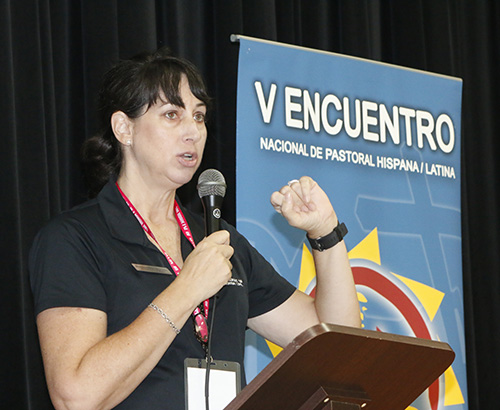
x=124, y=226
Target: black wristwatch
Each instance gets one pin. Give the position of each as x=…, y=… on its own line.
x=326, y=242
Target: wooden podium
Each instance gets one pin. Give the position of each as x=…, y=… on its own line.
x=343, y=368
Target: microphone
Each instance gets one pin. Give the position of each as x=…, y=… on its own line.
x=211, y=189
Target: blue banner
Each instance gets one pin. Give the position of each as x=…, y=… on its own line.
x=384, y=143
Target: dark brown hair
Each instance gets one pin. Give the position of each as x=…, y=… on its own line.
x=133, y=86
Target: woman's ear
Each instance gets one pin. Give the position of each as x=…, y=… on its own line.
x=122, y=127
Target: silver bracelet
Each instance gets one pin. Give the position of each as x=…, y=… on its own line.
x=164, y=316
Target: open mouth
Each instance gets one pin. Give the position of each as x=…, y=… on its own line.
x=188, y=157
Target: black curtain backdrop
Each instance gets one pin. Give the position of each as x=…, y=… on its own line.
x=52, y=57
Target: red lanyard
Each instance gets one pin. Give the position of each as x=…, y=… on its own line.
x=181, y=220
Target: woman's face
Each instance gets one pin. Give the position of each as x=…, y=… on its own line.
x=168, y=141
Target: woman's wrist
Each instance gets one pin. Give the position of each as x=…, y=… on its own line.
x=328, y=241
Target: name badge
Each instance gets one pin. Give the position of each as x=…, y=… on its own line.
x=224, y=383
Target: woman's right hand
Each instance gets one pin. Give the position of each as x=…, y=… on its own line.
x=208, y=268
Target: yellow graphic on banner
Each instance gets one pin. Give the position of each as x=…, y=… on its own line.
x=367, y=249
x=453, y=393
x=429, y=297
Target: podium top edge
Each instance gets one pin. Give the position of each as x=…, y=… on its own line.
x=324, y=328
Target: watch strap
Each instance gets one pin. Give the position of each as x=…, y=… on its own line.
x=326, y=242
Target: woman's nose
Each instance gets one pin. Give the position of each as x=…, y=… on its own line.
x=193, y=130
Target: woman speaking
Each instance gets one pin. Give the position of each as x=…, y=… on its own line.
x=124, y=283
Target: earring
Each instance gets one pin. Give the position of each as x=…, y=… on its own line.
x=129, y=142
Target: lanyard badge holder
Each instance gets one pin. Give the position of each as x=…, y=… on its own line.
x=225, y=383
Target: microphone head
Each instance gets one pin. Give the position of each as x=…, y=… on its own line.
x=211, y=182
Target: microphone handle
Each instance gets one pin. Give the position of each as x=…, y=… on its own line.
x=211, y=206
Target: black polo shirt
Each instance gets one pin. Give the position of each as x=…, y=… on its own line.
x=98, y=256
